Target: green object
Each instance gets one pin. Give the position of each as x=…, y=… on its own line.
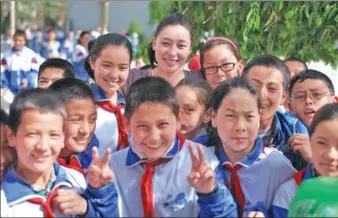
x=317, y=197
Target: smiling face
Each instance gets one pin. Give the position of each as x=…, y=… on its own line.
x=38, y=141
x=154, y=127
x=111, y=68
x=172, y=47
x=49, y=75
x=80, y=126
x=270, y=82
x=324, y=146
x=305, y=105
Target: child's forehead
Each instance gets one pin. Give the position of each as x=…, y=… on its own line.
x=266, y=74
x=310, y=83
x=85, y=103
x=19, y=37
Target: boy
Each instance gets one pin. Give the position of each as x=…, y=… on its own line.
x=51, y=48
x=80, y=125
x=309, y=91
x=37, y=185
x=19, y=66
x=154, y=177
x=295, y=66
x=269, y=75
x=54, y=69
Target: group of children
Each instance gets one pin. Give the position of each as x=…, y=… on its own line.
x=165, y=142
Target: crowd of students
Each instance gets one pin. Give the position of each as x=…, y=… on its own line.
x=234, y=139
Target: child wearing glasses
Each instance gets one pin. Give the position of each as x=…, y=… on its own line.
x=220, y=60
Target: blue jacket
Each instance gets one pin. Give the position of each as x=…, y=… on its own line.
x=285, y=124
x=17, y=66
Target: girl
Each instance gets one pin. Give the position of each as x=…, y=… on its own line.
x=168, y=52
x=79, y=55
x=109, y=58
x=194, y=98
x=324, y=145
x=252, y=172
x=220, y=59
x=155, y=177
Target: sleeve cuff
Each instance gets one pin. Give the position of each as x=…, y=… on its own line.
x=211, y=197
x=102, y=192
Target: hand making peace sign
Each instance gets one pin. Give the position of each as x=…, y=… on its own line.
x=99, y=172
x=201, y=176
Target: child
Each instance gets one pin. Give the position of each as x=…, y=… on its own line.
x=321, y=90
x=19, y=66
x=30, y=187
x=324, y=145
x=151, y=174
x=220, y=60
x=194, y=99
x=252, y=171
x=269, y=75
x=80, y=125
x=53, y=69
x=295, y=66
x=168, y=52
x=80, y=53
x=51, y=48
x=110, y=58
x=7, y=153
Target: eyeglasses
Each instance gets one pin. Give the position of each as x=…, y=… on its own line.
x=224, y=67
x=313, y=95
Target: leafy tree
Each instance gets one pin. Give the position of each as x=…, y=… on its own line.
x=307, y=30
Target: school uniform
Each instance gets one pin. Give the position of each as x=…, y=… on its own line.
x=111, y=130
x=254, y=179
x=79, y=57
x=80, y=161
x=50, y=50
x=161, y=189
x=285, y=125
x=17, y=66
x=202, y=137
x=19, y=199
x=287, y=191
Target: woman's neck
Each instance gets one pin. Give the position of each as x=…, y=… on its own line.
x=173, y=78
x=112, y=97
x=39, y=179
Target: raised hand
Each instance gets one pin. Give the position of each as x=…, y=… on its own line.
x=99, y=172
x=201, y=176
x=69, y=202
x=301, y=143
x=255, y=214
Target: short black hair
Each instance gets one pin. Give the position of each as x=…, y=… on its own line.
x=227, y=86
x=72, y=89
x=326, y=113
x=296, y=60
x=68, y=69
x=43, y=100
x=311, y=74
x=3, y=117
x=20, y=32
x=269, y=61
x=153, y=90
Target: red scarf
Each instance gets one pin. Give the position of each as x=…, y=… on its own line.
x=147, y=180
x=73, y=164
x=121, y=124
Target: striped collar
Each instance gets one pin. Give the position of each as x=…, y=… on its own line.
x=18, y=190
x=134, y=158
x=100, y=96
x=248, y=160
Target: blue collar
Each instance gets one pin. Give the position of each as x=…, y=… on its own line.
x=201, y=139
x=16, y=189
x=133, y=159
x=247, y=160
x=100, y=96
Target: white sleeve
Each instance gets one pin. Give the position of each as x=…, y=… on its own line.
x=5, y=210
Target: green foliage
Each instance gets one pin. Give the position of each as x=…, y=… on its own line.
x=135, y=27
x=307, y=30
